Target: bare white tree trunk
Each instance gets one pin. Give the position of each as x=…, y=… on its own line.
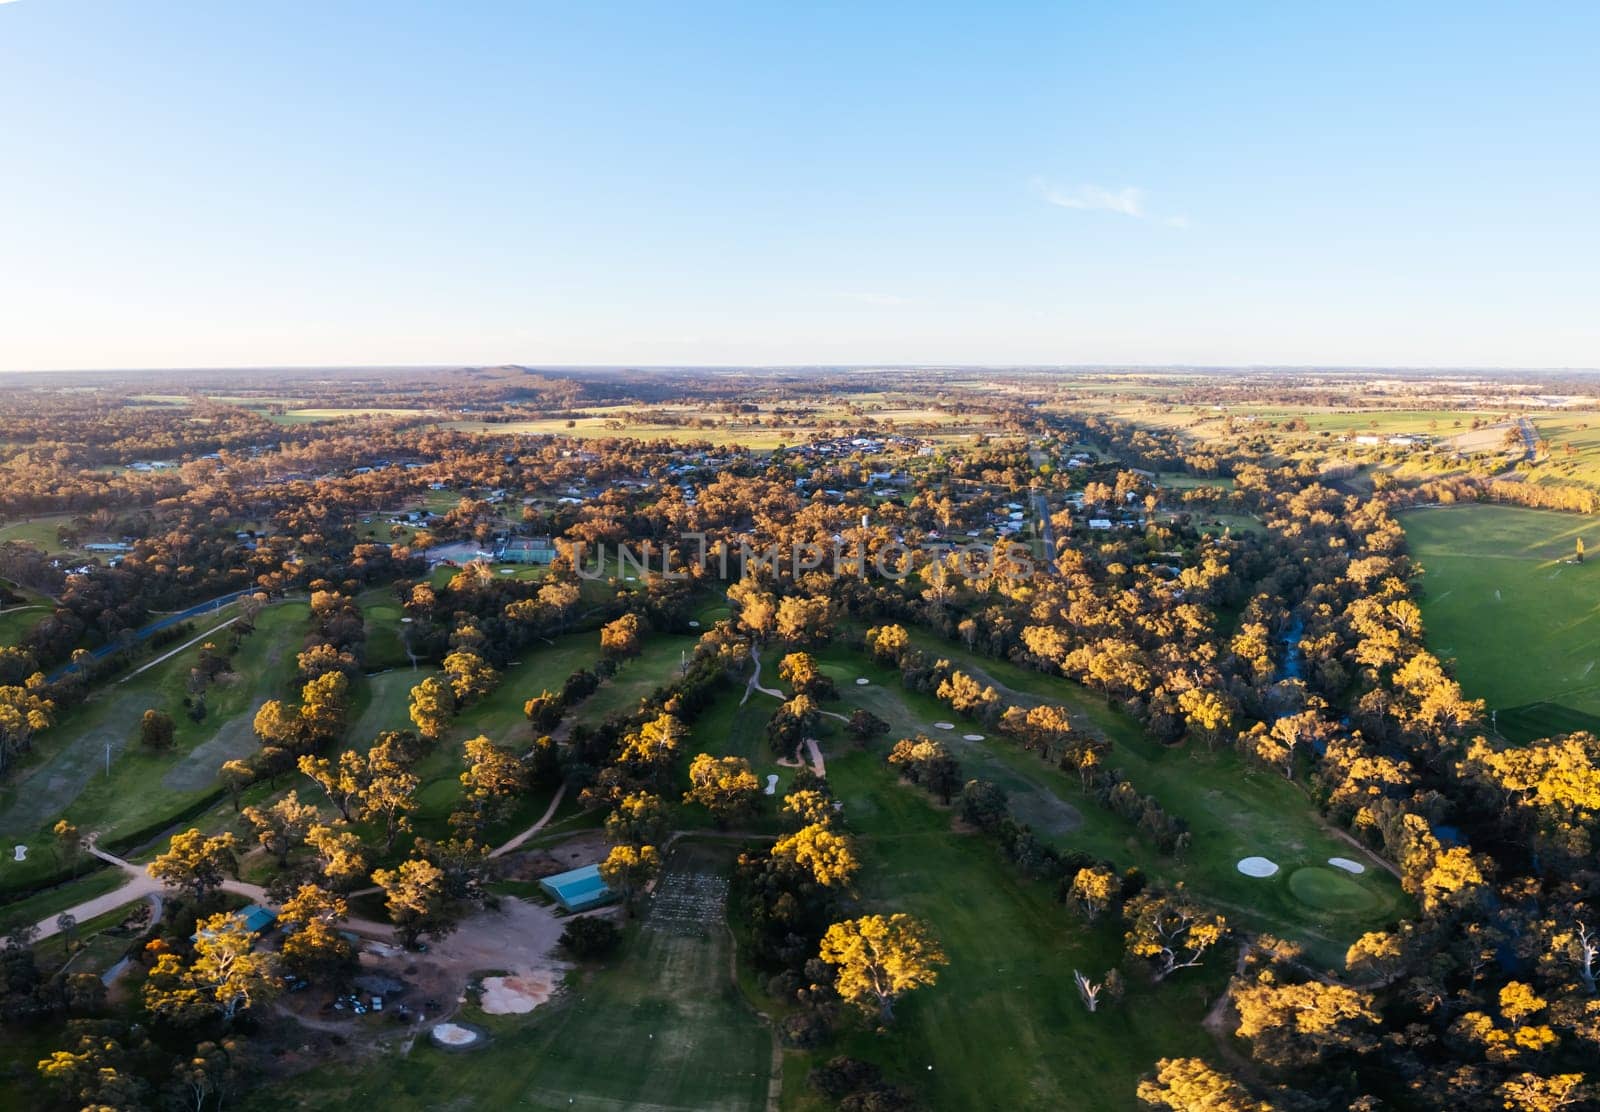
x=1088, y=991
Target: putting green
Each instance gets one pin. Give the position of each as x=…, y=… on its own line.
x=1331, y=890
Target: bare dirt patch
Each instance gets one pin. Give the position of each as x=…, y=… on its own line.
x=517, y=995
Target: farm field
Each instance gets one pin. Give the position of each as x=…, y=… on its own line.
x=1520, y=621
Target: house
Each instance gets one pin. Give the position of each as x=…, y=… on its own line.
x=1099, y=523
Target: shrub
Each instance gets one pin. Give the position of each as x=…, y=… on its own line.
x=590, y=937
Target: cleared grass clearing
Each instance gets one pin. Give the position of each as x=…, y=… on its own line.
x=1521, y=622
x=639, y=677
x=38, y=531
x=17, y=619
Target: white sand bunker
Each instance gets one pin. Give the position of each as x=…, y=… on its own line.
x=971, y=737
x=862, y=681
x=1347, y=865
x=944, y=725
x=1249, y=866
x=772, y=783
x=453, y=1034
x=516, y=995
x=20, y=853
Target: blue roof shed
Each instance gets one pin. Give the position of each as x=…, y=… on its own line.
x=579, y=889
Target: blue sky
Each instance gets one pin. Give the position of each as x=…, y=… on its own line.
x=331, y=182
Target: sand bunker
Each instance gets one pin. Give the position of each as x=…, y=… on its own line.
x=1249, y=866
x=516, y=995
x=21, y=853
x=1347, y=865
x=453, y=1034
x=944, y=725
x=772, y=783
x=971, y=737
x=862, y=682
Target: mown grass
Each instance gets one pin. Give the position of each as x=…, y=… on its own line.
x=67, y=776
x=37, y=531
x=1233, y=808
x=1521, y=622
x=1003, y=1028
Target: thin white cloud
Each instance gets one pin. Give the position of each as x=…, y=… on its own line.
x=1127, y=201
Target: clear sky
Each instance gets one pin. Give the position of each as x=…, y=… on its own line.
x=223, y=182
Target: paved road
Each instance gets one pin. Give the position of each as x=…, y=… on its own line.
x=1041, y=506
x=142, y=885
x=1530, y=436
x=156, y=627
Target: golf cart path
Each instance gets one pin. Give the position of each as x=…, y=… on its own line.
x=174, y=652
x=517, y=840
x=755, y=685
x=817, y=764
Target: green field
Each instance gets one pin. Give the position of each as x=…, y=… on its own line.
x=1574, y=438
x=1521, y=623
x=38, y=531
x=1233, y=808
x=66, y=774
x=18, y=618
x=1003, y=1028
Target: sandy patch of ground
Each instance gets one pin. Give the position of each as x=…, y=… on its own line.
x=517, y=995
x=1347, y=865
x=944, y=725
x=817, y=764
x=454, y=1035
x=1257, y=866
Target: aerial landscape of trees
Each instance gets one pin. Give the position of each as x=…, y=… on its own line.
x=299, y=677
